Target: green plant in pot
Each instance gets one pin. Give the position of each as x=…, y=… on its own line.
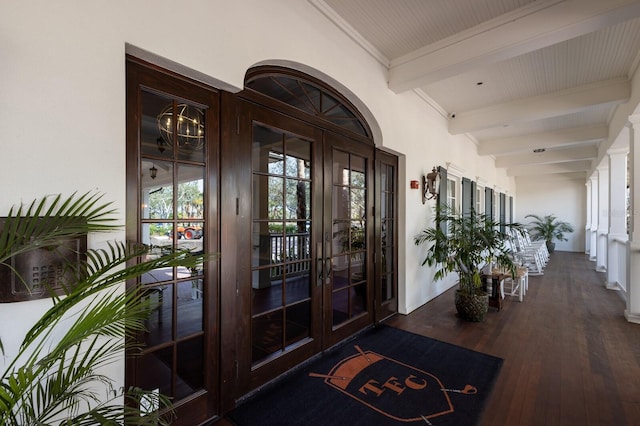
x=465, y=245
x=548, y=228
x=55, y=375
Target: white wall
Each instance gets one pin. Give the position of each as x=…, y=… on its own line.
x=565, y=198
x=62, y=102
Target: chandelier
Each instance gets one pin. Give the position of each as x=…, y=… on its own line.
x=189, y=126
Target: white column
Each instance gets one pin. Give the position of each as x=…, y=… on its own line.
x=617, y=238
x=603, y=217
x=587, y=227
x=632, y=313
x=593, y=231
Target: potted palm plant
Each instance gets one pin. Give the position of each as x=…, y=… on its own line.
x=548, y=228
x=465, y=244
x=55, y=376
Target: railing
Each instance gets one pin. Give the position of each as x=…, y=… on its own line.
x=291, y=254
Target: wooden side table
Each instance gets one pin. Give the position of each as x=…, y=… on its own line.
x=496, y=295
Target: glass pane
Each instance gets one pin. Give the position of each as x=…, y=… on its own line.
x=329, y=104
x=151, y=141
x=298, y=199
x=190, y=364
x=387, y=233
x=383, y=233
x=389, y=205
x=357, y=171
x=266, y=289
x=341, y=235
x=358, y=204
x=190, y=197
x=267, y=150
x=190, y=127
x=298, y=322
x=383, y=205
x=340, y=168
x=298, y=158
x=157, y=276
x=190, y=236
x=359, y=299
x=298, y=240
x=298, y=283
x=387, y=287
x=156, y=193
x=159, y=325
x=340, y=305
x=358, y=273
x=158, y=235
x=190, y=317
x=267, y=335
x=268, y=201
x=341, y=202
x=389, y=178
x=268, y=243
x=358, y=241
x=297, y=244
x=155, y=371
x=313, y=96
x=340, y=266
x=292, y=92
x=384, y=179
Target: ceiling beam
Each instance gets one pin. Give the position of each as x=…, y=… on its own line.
x=548, y=157
x=562, y=102
x=552, y=177
x=532, y=27
x=543, y=169
x=529, y=142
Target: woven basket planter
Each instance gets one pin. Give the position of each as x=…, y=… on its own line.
x=472, y=307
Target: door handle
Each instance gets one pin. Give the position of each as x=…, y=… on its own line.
x=328, y=263
x=319, y=265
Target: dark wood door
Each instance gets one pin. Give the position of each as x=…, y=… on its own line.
x=298, y=234
x=272, y=218
x=172, y=204
x=348, y=243
x=386, y=231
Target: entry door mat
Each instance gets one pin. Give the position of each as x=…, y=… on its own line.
x=385, y=376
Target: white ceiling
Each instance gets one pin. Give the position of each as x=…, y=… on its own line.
x=513, y=75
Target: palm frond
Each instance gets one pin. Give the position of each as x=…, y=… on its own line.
x=52, y=378
x=48, y=220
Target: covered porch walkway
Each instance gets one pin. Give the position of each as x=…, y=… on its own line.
x=570, y=356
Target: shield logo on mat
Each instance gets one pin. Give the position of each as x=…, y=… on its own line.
x=390, y=387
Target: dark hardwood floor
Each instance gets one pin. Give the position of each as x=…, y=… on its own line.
x=570, y=357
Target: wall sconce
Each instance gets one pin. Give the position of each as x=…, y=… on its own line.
x=430, y=185
x=153, y=172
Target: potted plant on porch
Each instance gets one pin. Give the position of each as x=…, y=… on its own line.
x=465, y=245
x=548, y=228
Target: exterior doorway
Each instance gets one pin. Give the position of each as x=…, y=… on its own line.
x=284, y=182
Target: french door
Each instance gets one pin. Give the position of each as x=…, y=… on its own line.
x=348, y=238
x=172, y=202
x=305, y=236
